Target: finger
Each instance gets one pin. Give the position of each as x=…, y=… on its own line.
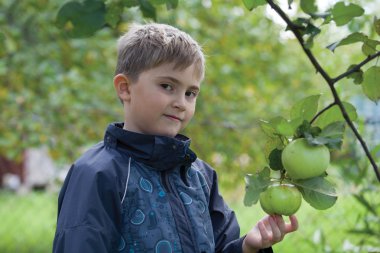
x=265, y=222
x=293, y=225
x=265, y=238
x=277, y=235
x=280, y=223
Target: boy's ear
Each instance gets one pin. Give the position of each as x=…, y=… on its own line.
x=121, y=84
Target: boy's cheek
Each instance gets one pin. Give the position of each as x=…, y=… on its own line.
x=192, y=113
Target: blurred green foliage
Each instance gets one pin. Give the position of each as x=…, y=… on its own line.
x=54, y=91
x=57, y=90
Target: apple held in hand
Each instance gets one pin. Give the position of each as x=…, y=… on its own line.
x=281, y=199
x=302, y=160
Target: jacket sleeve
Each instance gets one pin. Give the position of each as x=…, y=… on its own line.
x=225, y=225
x=88, y=213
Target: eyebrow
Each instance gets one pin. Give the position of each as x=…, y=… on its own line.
x=175, y=80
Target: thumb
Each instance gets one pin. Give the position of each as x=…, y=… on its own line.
x=293, y=225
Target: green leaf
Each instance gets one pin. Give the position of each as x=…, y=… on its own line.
x=371, y=84
x=331, y=136
x=278, y=126
x=171, y=4
x=305, y=108
x=252, y=4
x=274, y=158
x=342, y=14
x=318, y=192
x=301, y=22
x=357, y=75
x=147, y=9
x=334, y=114
x=369, y=47
x=318, y=184
x=81, y=19
x=295, y=123
x=131, y=3
x=376, y=25
x=327, y=18
x=305, y=130
x=267, y=128
x=114, y=10
x=350, y=39
x=311, y=31
x=254, y=185
x=282, y=126
x=308, y=6
x=271, y=144
x=318, y=200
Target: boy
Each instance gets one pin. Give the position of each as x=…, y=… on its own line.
x=143, y=189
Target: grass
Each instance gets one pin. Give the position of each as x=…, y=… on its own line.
x=28, y=225
x=27, y=222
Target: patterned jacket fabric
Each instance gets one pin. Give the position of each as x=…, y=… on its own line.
x=137, y=193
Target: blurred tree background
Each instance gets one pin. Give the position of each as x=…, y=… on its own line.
x=57, y=91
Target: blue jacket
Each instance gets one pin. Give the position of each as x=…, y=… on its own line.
x=137, y=193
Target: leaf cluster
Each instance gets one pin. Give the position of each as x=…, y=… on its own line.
x=327, y=126
x=304, y=122
x=83, y=18
x=310, y=25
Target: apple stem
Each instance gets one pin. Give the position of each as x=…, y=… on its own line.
x=282, y=176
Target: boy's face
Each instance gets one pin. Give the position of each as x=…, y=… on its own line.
x=162, y=100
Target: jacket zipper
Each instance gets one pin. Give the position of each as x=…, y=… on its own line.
x=169, y=189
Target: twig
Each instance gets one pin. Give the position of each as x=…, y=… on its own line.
x=330, y=82
x=298, y=35
x=322, y=111
x=356, y=68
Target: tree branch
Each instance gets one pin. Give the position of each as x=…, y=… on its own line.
x=322, y=111
x=298, y=35
x=356, y=68
x=330, y=82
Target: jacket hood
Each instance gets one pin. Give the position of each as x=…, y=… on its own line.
x=159, y=152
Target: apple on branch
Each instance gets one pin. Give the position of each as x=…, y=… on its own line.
x=302, y=160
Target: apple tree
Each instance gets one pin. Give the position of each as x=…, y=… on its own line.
x=297, y=146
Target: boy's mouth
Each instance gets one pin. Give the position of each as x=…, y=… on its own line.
x=172, y=117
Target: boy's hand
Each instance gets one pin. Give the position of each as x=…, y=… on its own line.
x=268, y=231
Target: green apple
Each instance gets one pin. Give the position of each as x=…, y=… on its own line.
x=302, y=160
x=282, y=199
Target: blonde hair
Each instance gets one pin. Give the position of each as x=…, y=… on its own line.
x=146, y=46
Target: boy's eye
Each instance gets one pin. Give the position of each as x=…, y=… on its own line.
x=191, y=93
x=167, y=86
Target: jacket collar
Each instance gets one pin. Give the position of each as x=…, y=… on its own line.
x=159, y=152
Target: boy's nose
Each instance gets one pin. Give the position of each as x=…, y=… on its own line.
x=180, y=102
